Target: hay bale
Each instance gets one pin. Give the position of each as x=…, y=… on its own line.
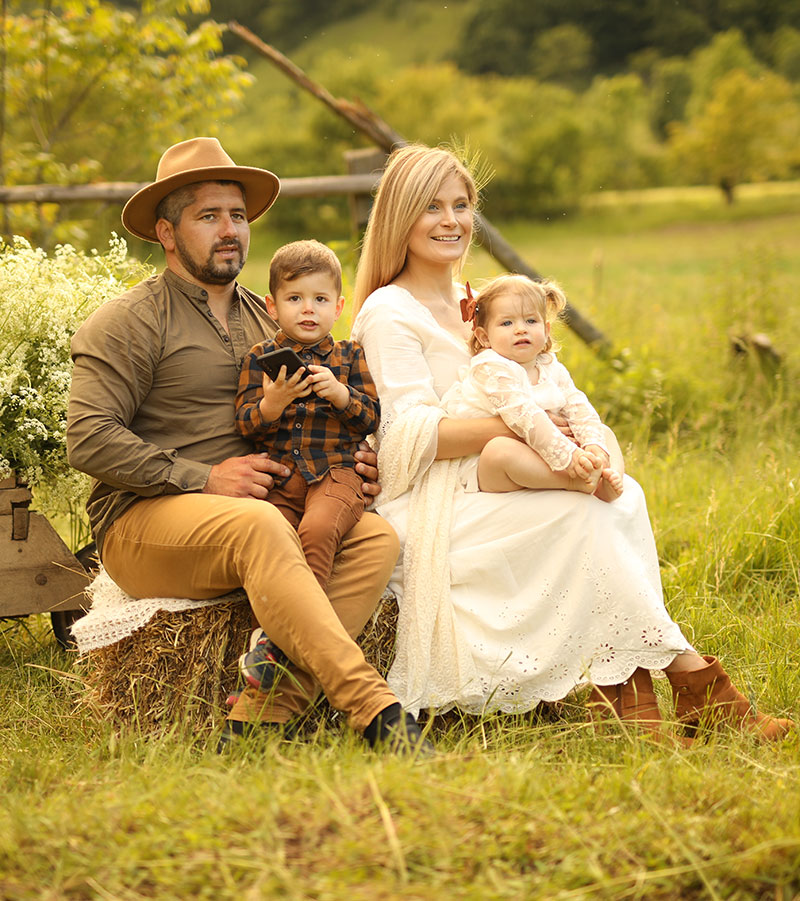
x=377, y=638
x=182, y=665
x=179, y=667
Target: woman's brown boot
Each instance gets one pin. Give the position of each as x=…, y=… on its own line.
x=707, y=697
x=632, y=701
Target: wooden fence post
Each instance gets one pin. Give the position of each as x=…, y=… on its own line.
x=364, y=161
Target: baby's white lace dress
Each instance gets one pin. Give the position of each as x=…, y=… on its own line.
x=495, y=386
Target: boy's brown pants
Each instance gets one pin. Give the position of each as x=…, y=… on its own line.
x=323, y=512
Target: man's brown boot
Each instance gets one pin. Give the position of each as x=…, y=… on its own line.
x=707, y=697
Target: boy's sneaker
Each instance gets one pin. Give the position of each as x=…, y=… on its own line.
x=260, y=666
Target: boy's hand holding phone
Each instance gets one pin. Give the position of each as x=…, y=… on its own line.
x=280, y=393
x=327, y=386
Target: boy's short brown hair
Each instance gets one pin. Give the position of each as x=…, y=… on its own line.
x=302, y=258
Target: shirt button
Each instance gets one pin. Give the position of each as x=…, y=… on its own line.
x=297, y=425
x=296, y=452
x=184, y=485
x=300, y=406
x=225, y=338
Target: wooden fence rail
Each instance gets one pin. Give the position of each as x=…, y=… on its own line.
x=119, y=192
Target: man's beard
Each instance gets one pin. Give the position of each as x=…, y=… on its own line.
x=209, y=272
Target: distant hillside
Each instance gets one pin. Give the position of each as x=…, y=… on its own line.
x=414, y=31
x=389, y=36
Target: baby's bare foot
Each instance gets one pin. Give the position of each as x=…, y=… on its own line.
x=609, y=488
x=589, y=485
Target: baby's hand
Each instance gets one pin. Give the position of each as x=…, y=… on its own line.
x=326, y=385
x=583, y=464
x=280, y=393
x=600, y=453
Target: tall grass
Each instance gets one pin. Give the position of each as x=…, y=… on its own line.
x=529, y=806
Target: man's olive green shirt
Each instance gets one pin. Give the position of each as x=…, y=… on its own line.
x=152, y=402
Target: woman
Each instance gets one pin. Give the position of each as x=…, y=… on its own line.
x=505, y=599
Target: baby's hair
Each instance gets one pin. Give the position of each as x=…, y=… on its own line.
x=303, y=258
x=546, y=296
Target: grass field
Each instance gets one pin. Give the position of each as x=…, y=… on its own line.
x=515, y=807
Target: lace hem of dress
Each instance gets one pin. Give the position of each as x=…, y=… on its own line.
x=507, y=695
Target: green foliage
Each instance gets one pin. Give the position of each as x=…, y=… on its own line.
x=44, y=300
x=499, y=32
x=563, y=55
x=96, y=92
x=747, y=131
x=622, y=150
x=286, y=23
x=727, y=52
x=670, y=89
x=785, y=52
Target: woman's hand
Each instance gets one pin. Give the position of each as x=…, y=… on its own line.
x=562, y=424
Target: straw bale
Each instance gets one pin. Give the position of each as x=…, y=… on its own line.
x=182, y=665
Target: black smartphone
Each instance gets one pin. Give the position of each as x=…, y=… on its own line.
x=271, y=363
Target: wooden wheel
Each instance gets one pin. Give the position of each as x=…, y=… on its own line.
x=62, y=620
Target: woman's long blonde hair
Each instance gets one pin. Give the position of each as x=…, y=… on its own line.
x=412, y=178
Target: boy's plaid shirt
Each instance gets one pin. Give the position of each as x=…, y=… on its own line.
x=311, y=434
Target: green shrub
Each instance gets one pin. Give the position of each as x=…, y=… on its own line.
x=43, y=301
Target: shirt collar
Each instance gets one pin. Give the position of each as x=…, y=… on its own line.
x=321, y=350
x=196, y=292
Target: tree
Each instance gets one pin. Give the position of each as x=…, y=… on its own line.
x=748, y=130
x=562, y=54
x=622, y=151
x=785, y=51
x=726, y=52
x=94, y=92
x=670, y=85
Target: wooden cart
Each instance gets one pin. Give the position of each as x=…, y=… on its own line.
x=38, y=572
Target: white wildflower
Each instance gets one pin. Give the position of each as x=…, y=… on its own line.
x=44, y=300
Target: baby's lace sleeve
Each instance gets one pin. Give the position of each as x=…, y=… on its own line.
x=583, y=418
x=506, y=386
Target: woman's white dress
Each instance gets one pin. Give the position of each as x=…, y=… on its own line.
x=505, y=599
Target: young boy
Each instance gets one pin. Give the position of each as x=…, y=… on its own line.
x=311, y=420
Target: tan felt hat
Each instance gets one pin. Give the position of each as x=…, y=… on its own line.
x=199, y=159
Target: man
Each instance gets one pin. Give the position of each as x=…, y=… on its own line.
x=177, y=506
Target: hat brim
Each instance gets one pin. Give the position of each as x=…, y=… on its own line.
x=261, y=188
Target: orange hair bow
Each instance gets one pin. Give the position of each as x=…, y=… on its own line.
x=469, y=307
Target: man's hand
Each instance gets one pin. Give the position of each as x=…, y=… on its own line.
x=367, y=466
x=327, y=386
x=280, y=393
x=249, y=476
